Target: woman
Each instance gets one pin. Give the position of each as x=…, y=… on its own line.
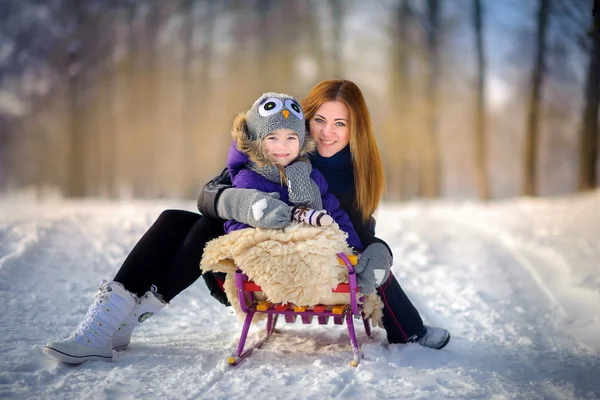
x=165, y=260
x=348, y=157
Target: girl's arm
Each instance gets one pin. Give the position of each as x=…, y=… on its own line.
x=219, y=199
x=252, y=206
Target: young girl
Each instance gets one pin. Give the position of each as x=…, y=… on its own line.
x=270, y=143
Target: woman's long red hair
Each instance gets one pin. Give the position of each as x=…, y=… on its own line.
x=369, y=178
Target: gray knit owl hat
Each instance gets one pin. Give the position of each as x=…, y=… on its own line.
x=274, y=111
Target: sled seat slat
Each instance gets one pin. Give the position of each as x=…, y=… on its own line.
x=320, y=308
x=263, y=305
x=339, y=309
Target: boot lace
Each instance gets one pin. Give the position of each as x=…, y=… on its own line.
x=102, y=296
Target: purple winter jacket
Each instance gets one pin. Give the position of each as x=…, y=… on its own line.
x=245, y=178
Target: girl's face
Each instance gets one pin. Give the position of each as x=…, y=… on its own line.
x=282, y=146
x=329, y=127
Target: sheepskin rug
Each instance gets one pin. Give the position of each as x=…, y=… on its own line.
x=297, y=264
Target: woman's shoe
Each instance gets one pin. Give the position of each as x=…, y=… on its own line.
x=145, y=307
x=93, y=338
x=432, y=337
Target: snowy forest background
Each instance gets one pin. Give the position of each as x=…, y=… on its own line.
x=104, y=100
x=134, y=99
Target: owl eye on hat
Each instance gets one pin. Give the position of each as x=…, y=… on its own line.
x=274, y=111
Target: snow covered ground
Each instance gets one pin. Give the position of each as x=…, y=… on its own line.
x=516, y=282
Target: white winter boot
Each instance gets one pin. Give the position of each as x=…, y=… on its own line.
x=93, y=338
x=145, y=307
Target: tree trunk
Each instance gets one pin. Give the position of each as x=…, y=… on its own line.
x=152, y=116
x=337, y=11
x=77, y=151
x=145, y=146
x=189, y=98
x=402, y=172
x=287, y=24
x=480, y=114
x=314, y=37
x=430, y=173
x=106, y=112
x=589, y=132
x=529, y=187
x=265, y=39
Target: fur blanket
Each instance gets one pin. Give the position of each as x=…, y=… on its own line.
x=297, y=264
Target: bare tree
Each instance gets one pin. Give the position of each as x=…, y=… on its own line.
x=430, y=173
x=313, y=33
x=529, y=185
x=74, y=68
x=287, y=28
x=402, y=173
x=145, y=141
x=105, y=113
x=480, y=113
x=337, y=14
x=188, y=8
x=589, y=131
x=265, y=38
x=198, y=26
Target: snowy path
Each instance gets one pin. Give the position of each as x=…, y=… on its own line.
x=518, y=288
x=507, y=325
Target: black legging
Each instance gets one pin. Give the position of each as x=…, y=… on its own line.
x=169, y=253
x=400, y=318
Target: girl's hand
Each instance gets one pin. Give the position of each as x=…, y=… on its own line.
x=311, y=217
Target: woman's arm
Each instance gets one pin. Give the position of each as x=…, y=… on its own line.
x=207, y=200
x=364, y=229
x=367, y=236
x=331, y=205
x=376, y=260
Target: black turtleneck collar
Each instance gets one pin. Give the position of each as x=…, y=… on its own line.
x=337, y=170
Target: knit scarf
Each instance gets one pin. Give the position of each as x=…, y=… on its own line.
x=302, y=189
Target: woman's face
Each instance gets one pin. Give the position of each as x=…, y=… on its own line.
x=330, y=128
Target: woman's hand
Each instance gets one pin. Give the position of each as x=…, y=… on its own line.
x=373, y=267
x=255, y=208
